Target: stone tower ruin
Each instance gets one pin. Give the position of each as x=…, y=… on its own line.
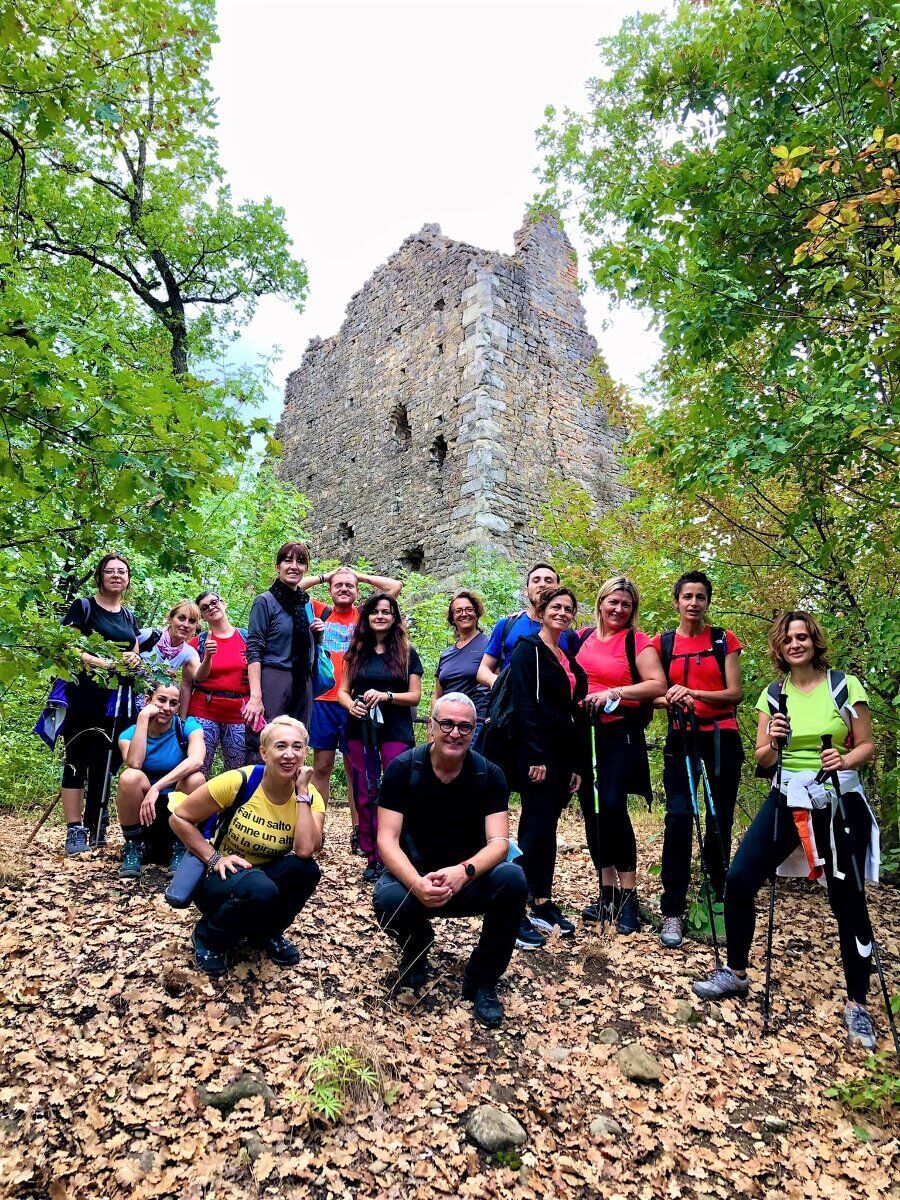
x=457, y=386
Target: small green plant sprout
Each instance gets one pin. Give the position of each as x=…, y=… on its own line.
x=876, y=1092
x=340, y=1079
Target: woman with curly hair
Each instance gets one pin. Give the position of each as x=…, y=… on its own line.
x=816, y=820
x=380, y=686
x=457, y=668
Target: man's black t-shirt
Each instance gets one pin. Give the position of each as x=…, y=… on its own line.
x=374, y=673
x=443, y=823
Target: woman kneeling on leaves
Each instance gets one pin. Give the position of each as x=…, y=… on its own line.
x=818, y=823
x=261, y=871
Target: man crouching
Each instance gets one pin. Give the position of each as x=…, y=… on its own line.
x=443, y=836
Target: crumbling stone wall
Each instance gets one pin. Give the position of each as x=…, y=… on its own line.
x=456, y=387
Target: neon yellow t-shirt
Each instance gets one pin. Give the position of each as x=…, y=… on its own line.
x=812, y=714
x=260, y=830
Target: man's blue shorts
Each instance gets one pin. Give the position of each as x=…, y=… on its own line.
x=328, y=726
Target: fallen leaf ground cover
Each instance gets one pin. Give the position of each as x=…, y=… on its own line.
x=112, y=1044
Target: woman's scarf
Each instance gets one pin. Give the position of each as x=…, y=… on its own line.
x=164, y=647
x=294, y=604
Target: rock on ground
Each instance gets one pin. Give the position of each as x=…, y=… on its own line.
x=638, y=1064
x=493, y=1129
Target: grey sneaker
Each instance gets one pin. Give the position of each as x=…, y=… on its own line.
x=76, y=840
x=723, y=982
x=860, y=1026
x=672, y=933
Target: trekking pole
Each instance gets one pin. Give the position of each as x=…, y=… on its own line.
x=707, y=790
x=767, y=1011
x=679, y=722
x=596, y=739
x=104, y=792
x=860, y=883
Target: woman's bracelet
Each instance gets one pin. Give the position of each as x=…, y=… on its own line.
x=211, y=864
x=304, y=798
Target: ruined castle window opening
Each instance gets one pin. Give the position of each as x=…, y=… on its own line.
x=345, y=531
x=401, y=429
x=438, y=451
x=413, y=558
x=440, y=347
x=439, y=305
x=398, y=330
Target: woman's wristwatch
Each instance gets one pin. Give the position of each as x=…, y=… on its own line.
x=304, y=798
x=390, y=697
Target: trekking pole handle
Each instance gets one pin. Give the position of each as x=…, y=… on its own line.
x=826, y=745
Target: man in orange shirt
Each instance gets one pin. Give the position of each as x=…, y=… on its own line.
x=327, y=727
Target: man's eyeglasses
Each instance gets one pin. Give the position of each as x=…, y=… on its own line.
x=447, y=726
x=210, y=603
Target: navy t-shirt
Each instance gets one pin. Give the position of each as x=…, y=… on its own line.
x=120, y=628
x=374, y=672
x=523, y=627
x=457, y=668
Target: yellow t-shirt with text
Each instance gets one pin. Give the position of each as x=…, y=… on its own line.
x=260, y=830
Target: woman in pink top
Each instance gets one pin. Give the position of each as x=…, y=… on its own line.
x=624, y=676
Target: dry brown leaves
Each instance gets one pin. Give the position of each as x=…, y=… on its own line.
x=108, y=1034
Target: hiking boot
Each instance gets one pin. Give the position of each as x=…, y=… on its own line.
x=354, y=839
x=76, y=840
x=721, y=983
x=528, y=938
x=488, y=1009
x=547, y=916
x=280, y=951
x=132, y=858
x=603, y=908
x=175, y=861
x=860, y=1026
x=629, y=914
x=373, y=872
x=594, y=911
x=413, y=971
x=672, y=933
x=210, y=962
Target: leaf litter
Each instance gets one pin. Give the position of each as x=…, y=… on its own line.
x=111, y=1043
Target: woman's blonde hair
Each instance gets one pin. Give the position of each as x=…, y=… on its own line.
x=193, y=610
x=268, y=732
x=619, y=583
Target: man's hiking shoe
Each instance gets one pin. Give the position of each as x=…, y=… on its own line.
x=723, y=982
x=594, y=911
x=672, y=933
x=529, y=938
x=280, y=951
x=76, y=840
x=354, y=839
x=488, y=1009
x=373, y=872
x=413, y=971
x=132, y=858
x=210, y=962
x=860, y=1026
x=629, y=914
x=547, y=916
x=175, y=861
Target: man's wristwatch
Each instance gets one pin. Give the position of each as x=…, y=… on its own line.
x=469, y=869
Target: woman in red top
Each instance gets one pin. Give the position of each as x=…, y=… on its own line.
x=624, y=674
x=704, y=676
x=220, y=687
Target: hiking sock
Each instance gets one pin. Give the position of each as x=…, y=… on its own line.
x=132, y=833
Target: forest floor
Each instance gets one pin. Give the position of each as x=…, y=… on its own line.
x=110, y=1038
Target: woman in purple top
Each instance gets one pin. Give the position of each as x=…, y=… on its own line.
x=458, y=665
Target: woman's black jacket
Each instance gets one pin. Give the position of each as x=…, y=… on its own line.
x=544, y=709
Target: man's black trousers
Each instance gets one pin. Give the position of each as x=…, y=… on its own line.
x=499, y=895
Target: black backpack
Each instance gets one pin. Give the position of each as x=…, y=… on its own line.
x=644, y=711
x=719, y=650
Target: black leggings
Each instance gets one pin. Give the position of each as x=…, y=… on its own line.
x=757, y=857
x=679, y=835
x=87, y=736
x=607, y=825
x=255, y=904
x=542, y=806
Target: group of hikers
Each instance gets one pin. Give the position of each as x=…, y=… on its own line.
x=535, y=706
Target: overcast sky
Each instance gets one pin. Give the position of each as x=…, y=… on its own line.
x=365, y=121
